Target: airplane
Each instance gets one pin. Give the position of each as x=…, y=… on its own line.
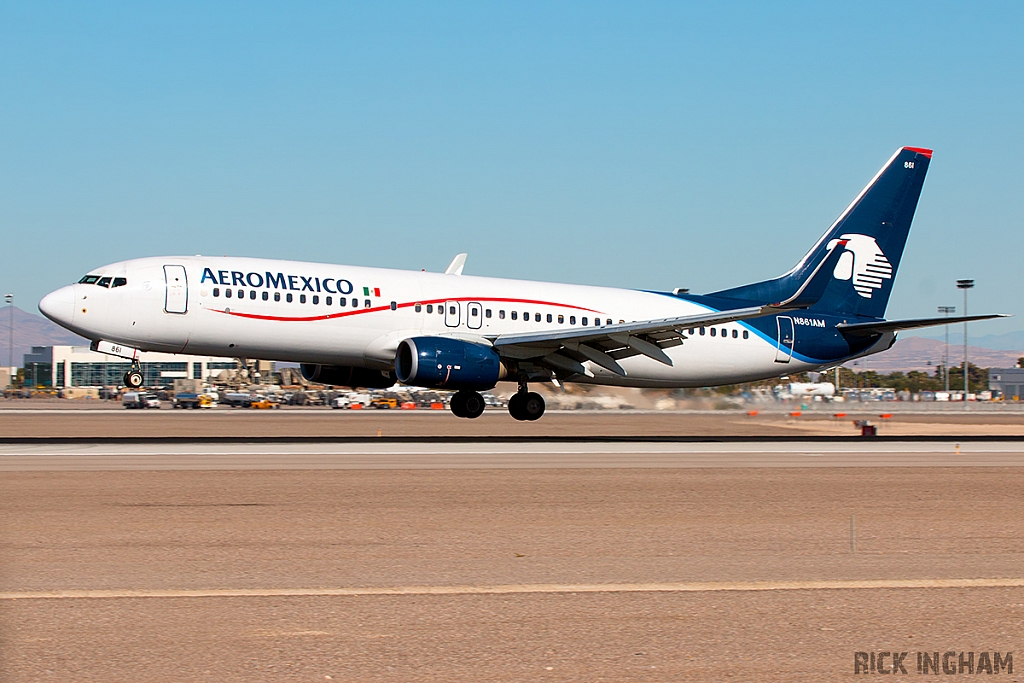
x=370, y=327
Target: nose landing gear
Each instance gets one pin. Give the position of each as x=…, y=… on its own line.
x=467, y=404
x=133, y=378
x=526, y=405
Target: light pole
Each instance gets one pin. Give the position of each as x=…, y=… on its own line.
x=965, y=285
x=9, y=298
x=945, y=311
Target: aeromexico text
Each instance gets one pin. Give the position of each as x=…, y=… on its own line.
x=297, y=283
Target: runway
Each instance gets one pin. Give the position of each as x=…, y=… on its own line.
x=640, y=560
x=259, y=455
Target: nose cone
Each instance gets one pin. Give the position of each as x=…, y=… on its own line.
x=59, y=306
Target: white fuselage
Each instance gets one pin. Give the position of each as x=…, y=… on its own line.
x=240, y=307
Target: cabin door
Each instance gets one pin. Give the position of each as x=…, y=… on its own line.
x=176, y=296
x=787, y=338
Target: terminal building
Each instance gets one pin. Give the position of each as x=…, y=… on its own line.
x=79, y=366
x=1010, y=381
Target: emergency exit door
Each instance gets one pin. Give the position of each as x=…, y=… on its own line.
x=176, y=291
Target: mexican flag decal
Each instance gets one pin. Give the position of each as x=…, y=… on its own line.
x=367, y=291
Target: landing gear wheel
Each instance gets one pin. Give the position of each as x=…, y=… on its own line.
x=533, y=406
x=133, y=379
x=515, y=406
x=458, y=404
x=473, y=404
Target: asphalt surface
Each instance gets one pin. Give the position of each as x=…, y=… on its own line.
x=322, y=422
x=613, y=562
x=257, y=455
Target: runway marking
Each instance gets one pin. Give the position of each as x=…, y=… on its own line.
x=535, y=588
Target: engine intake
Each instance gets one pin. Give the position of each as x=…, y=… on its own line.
x=346, y=376
x=444, y=363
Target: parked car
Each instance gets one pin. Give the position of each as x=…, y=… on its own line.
x=138, y=399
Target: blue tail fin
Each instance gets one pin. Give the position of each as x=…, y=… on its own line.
x=875, y=228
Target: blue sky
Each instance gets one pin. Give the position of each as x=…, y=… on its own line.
x=641, y=145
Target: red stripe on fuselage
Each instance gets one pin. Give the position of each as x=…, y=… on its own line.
x=374, y=309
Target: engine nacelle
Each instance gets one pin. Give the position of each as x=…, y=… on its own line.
x=345, y=376
x=444, y=363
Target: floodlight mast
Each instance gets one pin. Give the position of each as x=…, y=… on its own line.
x=965, y=285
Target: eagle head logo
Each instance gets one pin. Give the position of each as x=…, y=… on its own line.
x=864, y=262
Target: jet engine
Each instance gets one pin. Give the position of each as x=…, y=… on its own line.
x=444, y=363
x=345, y=376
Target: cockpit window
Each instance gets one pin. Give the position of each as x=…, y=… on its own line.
x=89, y=280
x=120, y=281
x=104, y=282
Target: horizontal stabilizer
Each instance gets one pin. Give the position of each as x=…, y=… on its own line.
x=872, y=328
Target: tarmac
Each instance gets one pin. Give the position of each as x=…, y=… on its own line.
x=629, y=560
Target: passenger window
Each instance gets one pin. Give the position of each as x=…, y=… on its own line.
x=725, y=332
x=735, y=334
x=597, y=322
x=487, y=313
x=585, y=321
x=120, y=281
x=252, y=294
x=104, y=282
x=550, y=319
x=561, y=319
x=501, y=314
x=266, y=296
x=515, y=315
x=692, y=330
x=419, y=308
x=277, y=296
x=473, y=311
x=216, y=291
x=608, y=321
x=366, y=303
x=227, y=293
x=702, y=331
x=572, y=320
x=302, y=298
x=440, y=309
x=288, y=297
x=746, y=334
x=316, y=299
x=536, y=317
x=451, y=310
x=394, y=305
x=241, y=294
x=329, y=300
x=430, y=308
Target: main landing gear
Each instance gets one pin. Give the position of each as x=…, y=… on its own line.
x=467, y=404
x=133, y=378
x=526, y=405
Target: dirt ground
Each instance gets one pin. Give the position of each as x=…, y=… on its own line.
x=345, y=528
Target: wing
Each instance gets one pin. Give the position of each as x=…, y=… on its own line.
x=567, y=350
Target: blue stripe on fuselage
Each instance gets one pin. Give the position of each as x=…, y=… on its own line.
x=813, y=344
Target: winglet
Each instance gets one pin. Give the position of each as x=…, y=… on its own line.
x=814, y=286
x=457, y=264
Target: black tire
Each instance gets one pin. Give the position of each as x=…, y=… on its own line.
x=133, y=379
x=515, y=407
x=458, y=405
x=473, y=404
x=533, y=406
